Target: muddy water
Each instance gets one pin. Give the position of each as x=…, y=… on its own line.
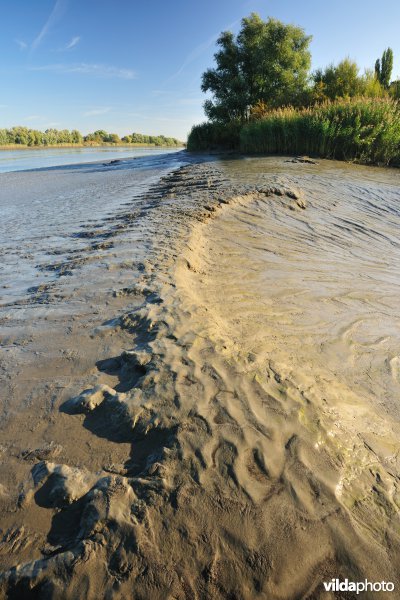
x=239, y=435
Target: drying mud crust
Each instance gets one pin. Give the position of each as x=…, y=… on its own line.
x=244, y=442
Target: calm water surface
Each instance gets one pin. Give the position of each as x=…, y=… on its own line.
x=26, y=159
x=43, y=211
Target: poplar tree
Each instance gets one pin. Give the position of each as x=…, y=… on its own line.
x=384, y=67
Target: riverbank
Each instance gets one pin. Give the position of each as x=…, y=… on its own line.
x=86, y=145
x=238, y=436
x=360, y=130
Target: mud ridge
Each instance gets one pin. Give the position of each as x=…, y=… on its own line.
x=225, y=493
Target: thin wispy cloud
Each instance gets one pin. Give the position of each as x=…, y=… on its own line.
x=21, y=44
x=155, y=118
x=96, y=70
x=162, y=92
x=200, y=50
x=190, y=101
x=33, y=118
x=74, y=42
x=55, y=15
x=196, y=53
x=97, y=111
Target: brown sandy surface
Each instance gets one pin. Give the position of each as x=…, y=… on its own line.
x=226, y=426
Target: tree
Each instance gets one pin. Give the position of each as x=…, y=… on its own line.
x=384, y=67
x=138, y=138
x=370, y=86
x=338, y=81
x=113, y=138
x=64, y=136
x=76, y=137
x=20, y=135
x=50, y=137
x=267, y=62
x=394, y=89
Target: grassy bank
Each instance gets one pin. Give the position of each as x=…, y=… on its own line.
x=366, y=130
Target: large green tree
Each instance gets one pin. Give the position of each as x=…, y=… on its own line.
x=384, y=67
x=339, y=81
x=267, y=62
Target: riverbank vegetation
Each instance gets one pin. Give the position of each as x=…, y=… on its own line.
x=366, y=130
x=264, y=98
x=16, y=137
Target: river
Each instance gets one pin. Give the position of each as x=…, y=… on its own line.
x=37, y=158
x=201, y=390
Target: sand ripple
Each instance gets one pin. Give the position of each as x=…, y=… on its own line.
x=259, y=400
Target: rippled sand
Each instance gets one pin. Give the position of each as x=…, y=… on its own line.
x=247, y=436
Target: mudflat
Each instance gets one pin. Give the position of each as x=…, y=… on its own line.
x=208, y=408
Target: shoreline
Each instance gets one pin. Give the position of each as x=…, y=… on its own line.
x=87, y=145
x=185, y=424
x=114, y=162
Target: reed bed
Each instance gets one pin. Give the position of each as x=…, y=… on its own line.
x=365, y=130
x=214, y=136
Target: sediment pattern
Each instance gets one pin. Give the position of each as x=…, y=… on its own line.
x=251, y=474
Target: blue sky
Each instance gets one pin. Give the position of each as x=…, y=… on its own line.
x=132, y=65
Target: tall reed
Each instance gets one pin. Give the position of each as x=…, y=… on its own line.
x=366, y=130
x=214, y=136
x=363, y=129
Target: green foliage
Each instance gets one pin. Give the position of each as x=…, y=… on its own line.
x=363, y=129
x=343, y=81
x=384, y=67
x=262, y=100
x=159, y=140
x=31, y=137
x=268, y=61
x=76, y=137
x=340, y=81
x=394, y=89
x=51, y=137
x=113, y=138
x=214, y=136
x=370, y=86
x=366, y=130
x=98, y=136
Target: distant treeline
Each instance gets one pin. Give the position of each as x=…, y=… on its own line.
x=52, y=137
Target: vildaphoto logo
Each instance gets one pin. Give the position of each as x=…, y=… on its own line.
x=335, y=585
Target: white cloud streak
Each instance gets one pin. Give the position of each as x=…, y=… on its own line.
x=97, y=111
x=96, y=70
x=54, y=16
x=200, y=50
x=22, y=45
x=33, y=118
x=75, y=40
